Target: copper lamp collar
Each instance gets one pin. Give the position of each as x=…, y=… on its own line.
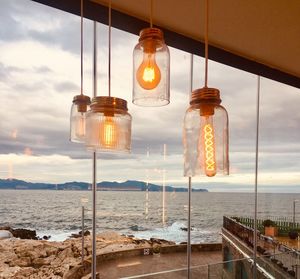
x=105, y=103
x=205, y=95
x=81, y=99
x=151, y=33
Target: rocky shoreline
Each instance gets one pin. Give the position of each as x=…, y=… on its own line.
x=37, y=259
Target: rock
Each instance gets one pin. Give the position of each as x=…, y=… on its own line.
x=185, y=229
x=5, y=234
x=89, y=276
x=77, y=235
x=110, y=236
x=22, y=262
x=161, y=241
x=25, y=272
x=24, y=234
x=43, y=261
x=9, y=272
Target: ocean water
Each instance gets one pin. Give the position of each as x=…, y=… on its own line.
x=142, y=214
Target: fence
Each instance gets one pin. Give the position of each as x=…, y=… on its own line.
x=280, y=255
x=283, y=225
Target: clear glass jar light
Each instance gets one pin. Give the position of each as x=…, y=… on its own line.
x=205, y=135
x=108, y=125
x=80, y=106
x=151, y=69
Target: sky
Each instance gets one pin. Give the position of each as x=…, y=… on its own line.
x=40, y=74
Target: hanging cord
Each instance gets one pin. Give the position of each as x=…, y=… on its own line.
x=81, y=47
x=256, y=176
x=206, y=41
x=109, y=49
x=95, y=60
x=151, y=13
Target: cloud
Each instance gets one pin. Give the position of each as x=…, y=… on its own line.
x=67, y=86
x=40, y=74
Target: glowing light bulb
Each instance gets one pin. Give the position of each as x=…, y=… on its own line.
x=208, y=148
x=109, y=133
x=148, y=74
x=80, y=126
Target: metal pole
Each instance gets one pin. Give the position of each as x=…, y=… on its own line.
x=294, y=213
x=189, y=250
x=94, y=246
x=256, y=175
x=164, y=189
x=82, y=234
x=94, y=257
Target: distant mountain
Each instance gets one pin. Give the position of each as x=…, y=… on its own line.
x=129, y=185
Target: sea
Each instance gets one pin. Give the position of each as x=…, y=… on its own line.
x=141, y=214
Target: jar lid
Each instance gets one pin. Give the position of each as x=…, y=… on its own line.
x=106, y=103
x=151, y=33
x=205, y=95
x=82, y=99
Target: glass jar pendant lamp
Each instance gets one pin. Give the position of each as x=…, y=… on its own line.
x=108, y=123
x=80, y=102
x=79, y=109
x=205, y=132
x=151, y=68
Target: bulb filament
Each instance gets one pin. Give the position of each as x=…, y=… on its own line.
x=149, y=74
x=209, y=150
x=109, y=133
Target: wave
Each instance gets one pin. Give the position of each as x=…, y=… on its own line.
x=177, y=232
x=56, y=235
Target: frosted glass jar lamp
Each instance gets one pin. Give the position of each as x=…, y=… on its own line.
x=108, y=125
x=80, y=106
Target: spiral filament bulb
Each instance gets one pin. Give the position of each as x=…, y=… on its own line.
x=209, y=150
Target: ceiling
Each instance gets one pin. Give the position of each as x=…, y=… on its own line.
x=261, y=37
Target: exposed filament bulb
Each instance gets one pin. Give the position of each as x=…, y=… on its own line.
x=148, y=74
x=109, y=133
x=209, y=148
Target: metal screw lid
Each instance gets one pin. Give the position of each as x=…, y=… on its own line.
x=151, y=33
x=206, y=95
x=82, y=99
x=105, y=103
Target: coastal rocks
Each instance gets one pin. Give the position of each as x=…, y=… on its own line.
x=39, y=259
x=161, y=241
x=77, y=235
x=24, y=234
x=5, y=234
x=9, y=272
x=20, y=233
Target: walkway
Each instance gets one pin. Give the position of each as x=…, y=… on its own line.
x=156, y=264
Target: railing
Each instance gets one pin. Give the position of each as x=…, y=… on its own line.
x=284, y=225
x=280, y=255
x=243, y=232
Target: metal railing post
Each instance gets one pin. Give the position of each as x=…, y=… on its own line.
x=82, y=234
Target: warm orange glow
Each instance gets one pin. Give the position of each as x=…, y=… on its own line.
x=209, y=150
x=109, y=133
x=148, y=74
